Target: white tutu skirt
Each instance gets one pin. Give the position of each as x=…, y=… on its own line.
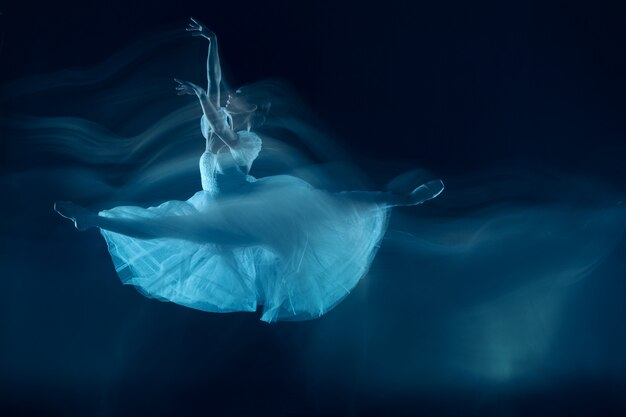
x=276, y=242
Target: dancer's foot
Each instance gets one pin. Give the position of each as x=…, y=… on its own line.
x=79, y=215
x=425, y=192
x=406, y=182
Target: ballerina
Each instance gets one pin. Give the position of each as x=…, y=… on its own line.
x=242, y=242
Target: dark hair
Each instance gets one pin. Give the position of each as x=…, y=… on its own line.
x=244, y=113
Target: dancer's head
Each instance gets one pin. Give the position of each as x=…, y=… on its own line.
x=244, y=114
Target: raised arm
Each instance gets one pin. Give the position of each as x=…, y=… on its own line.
x=217, y=122
x=213, y=68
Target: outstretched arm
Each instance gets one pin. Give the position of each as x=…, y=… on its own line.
x=213, y=68
x=217, y=122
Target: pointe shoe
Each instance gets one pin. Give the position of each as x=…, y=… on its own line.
x=426, y=192
x=74, y=213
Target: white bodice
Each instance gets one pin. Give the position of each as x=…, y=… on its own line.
x=228, y=168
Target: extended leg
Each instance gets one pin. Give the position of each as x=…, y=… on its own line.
x=196, y=228
x=419, y=195
x=177, y=227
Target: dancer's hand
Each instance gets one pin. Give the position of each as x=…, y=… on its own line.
x=198, y=29
x=186, y=87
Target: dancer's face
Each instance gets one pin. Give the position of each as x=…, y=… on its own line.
x=239, y=111
x=237, y=104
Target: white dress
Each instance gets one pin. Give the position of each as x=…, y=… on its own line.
x=274, y=242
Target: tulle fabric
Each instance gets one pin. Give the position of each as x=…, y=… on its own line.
x=275, y=242
x=301, y=252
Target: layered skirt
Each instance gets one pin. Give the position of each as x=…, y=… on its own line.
x=276, y=242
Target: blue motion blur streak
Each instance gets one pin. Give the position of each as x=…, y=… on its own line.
x=488, y=274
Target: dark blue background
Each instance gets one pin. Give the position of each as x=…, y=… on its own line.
x=461, y=86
